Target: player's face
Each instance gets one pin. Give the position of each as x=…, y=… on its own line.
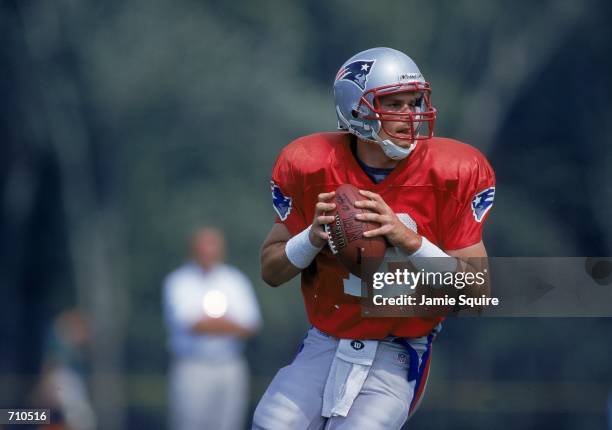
x=398, y=131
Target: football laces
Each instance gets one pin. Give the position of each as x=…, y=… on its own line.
x=330, y=240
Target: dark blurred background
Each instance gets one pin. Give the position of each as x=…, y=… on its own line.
x=124, y=125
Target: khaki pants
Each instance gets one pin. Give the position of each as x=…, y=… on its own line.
x=208, y=394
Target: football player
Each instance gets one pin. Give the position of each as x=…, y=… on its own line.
x=430, y=196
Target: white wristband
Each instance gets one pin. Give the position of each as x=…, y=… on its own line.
x=428, y=258
x=300, y=251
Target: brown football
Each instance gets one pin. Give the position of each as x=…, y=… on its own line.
x=346, y=239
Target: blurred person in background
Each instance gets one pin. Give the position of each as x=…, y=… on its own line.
x=210, y=309
x=62, y=386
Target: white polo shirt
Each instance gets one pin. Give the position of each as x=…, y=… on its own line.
x=183, y=296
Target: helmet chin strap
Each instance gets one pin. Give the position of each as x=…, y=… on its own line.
x=392, y=150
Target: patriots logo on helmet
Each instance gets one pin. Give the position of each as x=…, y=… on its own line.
x=357, y=72
x=482, y=203
x=282, y=204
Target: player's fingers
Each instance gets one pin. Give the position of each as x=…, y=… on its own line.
x=372, y=233
x=322, y=234
x=323, y=207
x=370, y=216
x=381, y=205
x=371, y=195
x=324, y=219
x=380, y=231
x=326, y=196
x=367, y=204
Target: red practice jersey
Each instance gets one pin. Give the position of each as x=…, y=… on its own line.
x=446, y=187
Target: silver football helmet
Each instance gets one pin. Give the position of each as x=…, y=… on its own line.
x=360, y=83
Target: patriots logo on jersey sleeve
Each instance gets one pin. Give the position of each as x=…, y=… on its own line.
x=482, y=203
x=282, y=204
x=357, y=72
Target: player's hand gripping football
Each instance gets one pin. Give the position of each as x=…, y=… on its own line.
x=391, y=227
x=317, y=235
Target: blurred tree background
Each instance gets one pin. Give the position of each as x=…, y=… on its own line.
x=124, y=125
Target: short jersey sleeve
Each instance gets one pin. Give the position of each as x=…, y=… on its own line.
x=475, y=200
x=287, y=191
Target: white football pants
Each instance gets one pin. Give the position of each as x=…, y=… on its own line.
x=390, y=394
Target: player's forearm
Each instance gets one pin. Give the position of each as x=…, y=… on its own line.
x=276, y=269
x=474, y=260
x=469, y=265
x=479, y=267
